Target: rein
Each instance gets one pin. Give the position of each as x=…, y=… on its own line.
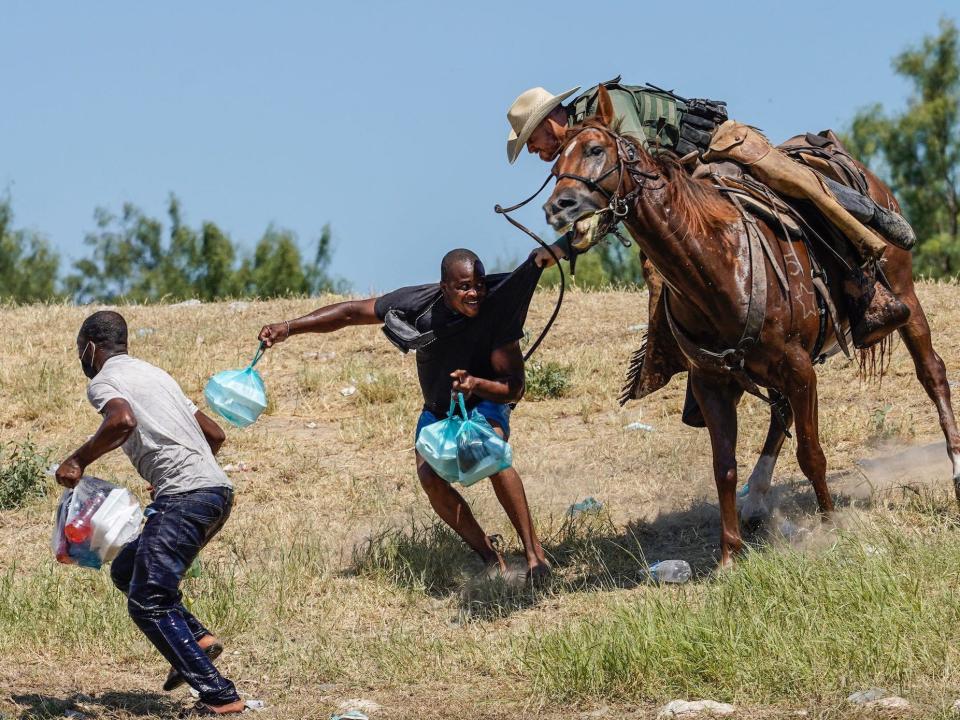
x=619, y=206
x=563, y=278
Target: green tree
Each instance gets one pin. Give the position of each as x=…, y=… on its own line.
x=607, y=264
x=218, y=277
x=132, y=259
x=917, y=151
x=178, y=275
x=276, y=269
x=317, y=272
x=28, y=266
x=127, y=260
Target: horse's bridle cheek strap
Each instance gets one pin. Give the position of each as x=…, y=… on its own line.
x=627, y=157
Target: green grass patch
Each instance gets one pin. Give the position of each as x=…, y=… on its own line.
x=22, y=477
x=547, y=380
x=876, y=608
x=425, y=557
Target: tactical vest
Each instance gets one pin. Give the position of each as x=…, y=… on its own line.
x=659, y=119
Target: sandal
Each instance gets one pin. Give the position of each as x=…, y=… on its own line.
x=201, y=709
x=175, y=679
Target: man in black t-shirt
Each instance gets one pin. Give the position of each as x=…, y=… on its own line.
x=466, y=330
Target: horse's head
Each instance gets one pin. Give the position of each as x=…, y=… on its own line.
x=590, y=176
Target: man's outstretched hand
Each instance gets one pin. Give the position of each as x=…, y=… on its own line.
x=69, y=472
x=270, y=335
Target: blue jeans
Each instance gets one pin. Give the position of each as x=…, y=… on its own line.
x=497, y=414
x=149, y=571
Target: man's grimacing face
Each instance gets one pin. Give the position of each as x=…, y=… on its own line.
x=465, y=288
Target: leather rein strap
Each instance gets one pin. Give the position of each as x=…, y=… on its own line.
x=563, y=279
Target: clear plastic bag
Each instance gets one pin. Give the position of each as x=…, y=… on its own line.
x=437, y=443
x=238, y=396
x=94, y=521
x=463, y=447
x=480, y=451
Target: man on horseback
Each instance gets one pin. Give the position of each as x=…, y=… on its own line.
x=699, y=132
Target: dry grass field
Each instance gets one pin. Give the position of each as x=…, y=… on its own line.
x=332, y=581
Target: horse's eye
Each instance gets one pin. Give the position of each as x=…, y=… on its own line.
x=597, y=150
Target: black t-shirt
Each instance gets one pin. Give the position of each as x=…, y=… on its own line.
x=462, y=343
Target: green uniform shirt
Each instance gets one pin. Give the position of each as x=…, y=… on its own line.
x=653, y=118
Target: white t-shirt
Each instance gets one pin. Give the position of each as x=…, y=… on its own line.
x=167, y=447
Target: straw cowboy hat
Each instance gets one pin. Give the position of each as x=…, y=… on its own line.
x=526, y=113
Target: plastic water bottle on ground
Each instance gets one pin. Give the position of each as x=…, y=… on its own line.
x=671, y=571
x=590, y=504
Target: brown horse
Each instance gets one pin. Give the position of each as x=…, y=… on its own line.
x=715, y=277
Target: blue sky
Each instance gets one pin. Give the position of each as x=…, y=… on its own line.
x=386, y=120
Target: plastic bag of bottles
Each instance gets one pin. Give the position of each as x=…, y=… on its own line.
x=239, y=396
x=480, y=451
x=437, y=443
x=94, y=521
x=463, y=447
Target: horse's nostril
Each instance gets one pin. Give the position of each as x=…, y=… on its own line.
x=565, y=203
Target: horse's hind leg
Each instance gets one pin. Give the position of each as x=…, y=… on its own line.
x=754, y=509
x=801, y=390
x=933, y=376
x=718, y=401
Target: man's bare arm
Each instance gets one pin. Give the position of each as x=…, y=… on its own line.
x=118, y=424
x=213, y=433
x=325, y=319
x=507, y=363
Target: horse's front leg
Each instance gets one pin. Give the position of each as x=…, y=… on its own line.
x=718, y=399
x=800, y=388
x=755, y=509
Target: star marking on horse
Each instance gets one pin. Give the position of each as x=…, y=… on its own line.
x=801, y=297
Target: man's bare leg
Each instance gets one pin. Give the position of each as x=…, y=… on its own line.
x=454, y=511
x=509, y=489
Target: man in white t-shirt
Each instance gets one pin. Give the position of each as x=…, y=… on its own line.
x=173, y=446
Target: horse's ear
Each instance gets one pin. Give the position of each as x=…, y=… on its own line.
x=604, y=107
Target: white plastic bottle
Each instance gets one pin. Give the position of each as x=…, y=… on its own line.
x=671, y=571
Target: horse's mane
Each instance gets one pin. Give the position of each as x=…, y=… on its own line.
x=697, y=204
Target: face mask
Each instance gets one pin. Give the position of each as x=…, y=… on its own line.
x=88, y=369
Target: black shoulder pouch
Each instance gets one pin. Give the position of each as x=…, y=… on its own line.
x=403, y=334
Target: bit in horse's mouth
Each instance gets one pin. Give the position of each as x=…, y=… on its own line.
x=588, y=230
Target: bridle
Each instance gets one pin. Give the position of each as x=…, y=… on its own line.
x=618, y=205
x=625, y=165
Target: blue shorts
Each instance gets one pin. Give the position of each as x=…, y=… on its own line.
x=497, y=414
